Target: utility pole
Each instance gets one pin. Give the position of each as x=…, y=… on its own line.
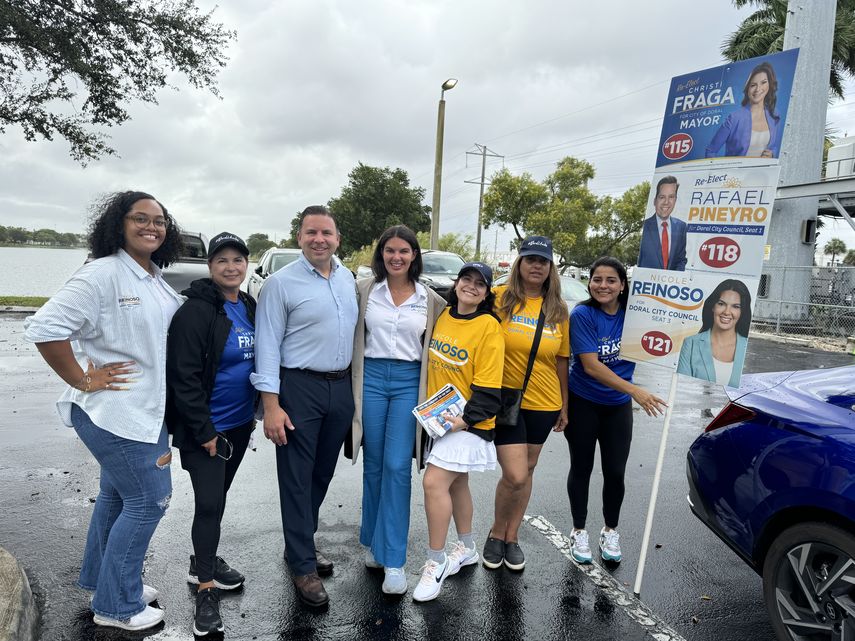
x=483, y=152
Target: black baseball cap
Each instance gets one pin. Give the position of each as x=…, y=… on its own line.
x=481, y=268
x=225, y=239
x=537, y=246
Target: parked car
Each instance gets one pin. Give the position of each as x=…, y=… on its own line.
x=439, y=269
x=191, y=265
x=572, y=291
x=772, y=475
x=271, y=261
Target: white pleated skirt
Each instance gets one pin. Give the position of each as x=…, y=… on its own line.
x=462, y=452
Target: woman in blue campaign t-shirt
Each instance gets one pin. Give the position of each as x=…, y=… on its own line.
x=600, y=407
x=211, y=407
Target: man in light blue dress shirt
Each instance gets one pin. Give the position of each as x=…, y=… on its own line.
x=304, y=343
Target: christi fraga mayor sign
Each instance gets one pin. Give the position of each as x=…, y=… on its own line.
x=707, y=218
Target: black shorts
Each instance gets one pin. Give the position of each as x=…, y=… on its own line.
x=533, y=426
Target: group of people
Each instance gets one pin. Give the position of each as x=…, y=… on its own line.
x=327, y=361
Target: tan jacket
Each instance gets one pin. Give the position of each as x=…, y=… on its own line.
x=435, y=305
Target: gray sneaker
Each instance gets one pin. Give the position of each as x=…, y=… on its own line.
x=580, y=548
x=395, y=581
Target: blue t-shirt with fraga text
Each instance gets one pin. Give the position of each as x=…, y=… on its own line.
x=232, y=401
x=594, y=331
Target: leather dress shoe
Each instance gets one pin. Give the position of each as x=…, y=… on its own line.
x=323, y=564
x=310, y=590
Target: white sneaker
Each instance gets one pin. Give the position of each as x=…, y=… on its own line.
x=148, y=618
x=433, y=574
x=149, y=594
x=370, y=561
x=395, y=581
x=579, y=546
x=461, y=556
x=610, y=545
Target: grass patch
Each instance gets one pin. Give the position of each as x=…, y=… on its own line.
x=22, y=301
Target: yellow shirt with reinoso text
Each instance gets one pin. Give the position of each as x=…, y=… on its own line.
x=466, y=352
x=544, y=389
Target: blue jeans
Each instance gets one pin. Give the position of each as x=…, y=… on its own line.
x=389, y=394
x=136, y=485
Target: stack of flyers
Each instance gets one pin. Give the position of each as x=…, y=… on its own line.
x=429, y=413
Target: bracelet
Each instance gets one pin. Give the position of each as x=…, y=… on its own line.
x=86, y=379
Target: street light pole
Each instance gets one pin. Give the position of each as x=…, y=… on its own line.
x=437, y=167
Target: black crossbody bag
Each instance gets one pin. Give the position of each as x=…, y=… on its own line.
x=509, y=412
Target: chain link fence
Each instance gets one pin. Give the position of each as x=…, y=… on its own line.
x=818, y=304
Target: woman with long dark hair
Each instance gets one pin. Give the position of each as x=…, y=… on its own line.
x=601, y=395
x=467, y=351
x=716, y=353
x=753, y=130
x=396, y=318
x=534, y=288
x=104, y=333
x=211, y=409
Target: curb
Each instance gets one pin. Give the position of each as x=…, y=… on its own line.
x=14, y=310
x=18, y=614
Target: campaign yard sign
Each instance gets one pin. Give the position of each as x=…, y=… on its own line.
x=704, y=234
x=708, y=116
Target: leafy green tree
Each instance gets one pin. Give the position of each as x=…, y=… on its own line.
x=510, y=200
x=460, y=244
x=66, y=67
x=67, y=239
x=834, y=247
x=849, y=259
x=373, y=199
x=4, y=234
x=258, y=244
x=762, y=33
x=45, y=237
x=361, y=256
x=18, y=235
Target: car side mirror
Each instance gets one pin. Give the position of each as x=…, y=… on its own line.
x=258, y=270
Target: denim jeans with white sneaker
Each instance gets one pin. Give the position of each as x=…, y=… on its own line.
x=136, y=485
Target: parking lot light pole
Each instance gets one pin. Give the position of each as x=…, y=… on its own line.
x=437, y=167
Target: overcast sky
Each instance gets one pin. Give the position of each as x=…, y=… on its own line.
x=312, y=88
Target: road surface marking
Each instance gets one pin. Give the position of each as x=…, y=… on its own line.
x=614, y=590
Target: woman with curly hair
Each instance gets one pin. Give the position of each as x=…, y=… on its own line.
x=104, y=334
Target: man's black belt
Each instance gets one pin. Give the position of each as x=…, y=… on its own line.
x=329, y=376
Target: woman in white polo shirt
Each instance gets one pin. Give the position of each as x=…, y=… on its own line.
x=396, y=319
x=104, y=334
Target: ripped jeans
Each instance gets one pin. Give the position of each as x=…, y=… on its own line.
x=136, y=485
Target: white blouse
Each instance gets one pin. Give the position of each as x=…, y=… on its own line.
x=395, y=331
x=113, y=310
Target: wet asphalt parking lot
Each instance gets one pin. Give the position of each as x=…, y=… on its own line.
x=693, y=584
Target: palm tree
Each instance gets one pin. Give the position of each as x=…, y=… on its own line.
x=762, y=33
x=834, y=247
x=849, y=259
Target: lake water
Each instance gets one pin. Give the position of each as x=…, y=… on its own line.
x=40, y=271
x=36, y=271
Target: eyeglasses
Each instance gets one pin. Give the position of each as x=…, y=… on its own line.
x=142, y=221
x=225, y=445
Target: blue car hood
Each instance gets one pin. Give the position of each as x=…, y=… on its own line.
x=819, y=397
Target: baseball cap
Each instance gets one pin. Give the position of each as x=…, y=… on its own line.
x=481, y=268
x=225, y=239
x=537, y=246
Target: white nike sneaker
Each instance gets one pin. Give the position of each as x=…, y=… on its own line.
x=461, y=556
x=394, y=581
x=148, y=618
x=433, y=575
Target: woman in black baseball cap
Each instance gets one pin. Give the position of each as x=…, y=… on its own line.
x=211, y=408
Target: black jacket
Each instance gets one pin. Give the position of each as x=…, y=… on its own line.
x=196, y=340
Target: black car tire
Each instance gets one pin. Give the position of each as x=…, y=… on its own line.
x=826, y=555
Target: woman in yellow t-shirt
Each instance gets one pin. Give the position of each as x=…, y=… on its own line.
x=467, y=351
x=534, y=286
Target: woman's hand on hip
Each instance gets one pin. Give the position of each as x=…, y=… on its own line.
x=110, y=376
x=650, y=403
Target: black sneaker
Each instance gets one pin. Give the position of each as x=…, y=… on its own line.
x=206, y=617
x=494, y=553
x=514, y=557
x=225, y=577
